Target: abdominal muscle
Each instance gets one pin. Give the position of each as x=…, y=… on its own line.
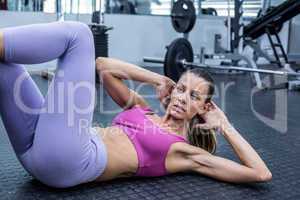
x=122, y=160
x=1, y=46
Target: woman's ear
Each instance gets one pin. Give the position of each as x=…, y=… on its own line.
x=203, y=109
x=200, y=119
x=208, y=106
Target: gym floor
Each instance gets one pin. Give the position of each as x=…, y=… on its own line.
x=280, y=150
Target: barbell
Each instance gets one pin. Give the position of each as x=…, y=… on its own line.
x=179, y=58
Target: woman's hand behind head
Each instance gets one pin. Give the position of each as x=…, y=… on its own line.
x=214, y=118
x=164, y=90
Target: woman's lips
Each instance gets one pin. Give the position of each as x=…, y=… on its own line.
x=178, y=108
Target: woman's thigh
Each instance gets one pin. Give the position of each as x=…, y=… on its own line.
x=66, y=151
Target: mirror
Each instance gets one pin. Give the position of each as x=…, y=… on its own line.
x=136, y=7
x=28, y=5
x=140, y=7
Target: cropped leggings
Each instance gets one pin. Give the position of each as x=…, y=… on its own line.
x=52, y=136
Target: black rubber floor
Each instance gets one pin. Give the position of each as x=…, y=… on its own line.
x=280, y=150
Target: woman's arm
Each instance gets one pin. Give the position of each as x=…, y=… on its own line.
x=247, y=155
x=112, y=72
x=124, y=70
x=252, y=169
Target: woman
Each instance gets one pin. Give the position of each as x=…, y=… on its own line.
x=53, y=138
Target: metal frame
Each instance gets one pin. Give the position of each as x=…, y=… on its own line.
x=186, y=64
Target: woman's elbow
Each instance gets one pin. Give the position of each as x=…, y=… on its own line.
x=100, y=63
x=265, y=176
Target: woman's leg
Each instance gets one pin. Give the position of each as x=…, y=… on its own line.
x=64, y=151
x=36, y=43
x=20, y=102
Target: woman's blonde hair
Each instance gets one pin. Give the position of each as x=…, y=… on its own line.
x=205, y=139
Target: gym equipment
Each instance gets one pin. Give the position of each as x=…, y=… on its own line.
x=47, y=74
x=179, y=49
x=123, y=7
x=275, y=29
x=183, y=16
x=234, y=52
x=240, y=36
x=209, y=11
x=273, y=18
x=99, y=31
x=270, y=23
x=100, y=39
x=96, y=17
x=179, y=58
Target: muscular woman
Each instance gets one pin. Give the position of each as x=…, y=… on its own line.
x=53, y=137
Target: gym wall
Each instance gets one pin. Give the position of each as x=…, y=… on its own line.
x=135, y=36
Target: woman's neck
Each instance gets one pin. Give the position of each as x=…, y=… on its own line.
x=176, y=125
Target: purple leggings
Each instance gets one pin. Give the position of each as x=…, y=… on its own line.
x=52, y=136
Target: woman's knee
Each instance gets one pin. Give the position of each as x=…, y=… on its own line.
x=80, y=32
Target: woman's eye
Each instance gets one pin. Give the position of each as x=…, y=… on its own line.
x=180, y=89
x=196, y=98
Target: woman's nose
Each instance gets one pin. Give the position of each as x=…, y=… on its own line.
x=182, y=101
x=183, y=98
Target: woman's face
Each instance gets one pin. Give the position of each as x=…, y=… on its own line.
x=188, y=98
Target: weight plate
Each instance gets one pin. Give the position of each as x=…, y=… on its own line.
x=179, y=49
x=183, y=16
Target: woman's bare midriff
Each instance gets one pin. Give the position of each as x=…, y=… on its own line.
x=1, y=46
x=122, y=157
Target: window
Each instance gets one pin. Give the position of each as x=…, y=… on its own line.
x=251, y=7
x=161, y=7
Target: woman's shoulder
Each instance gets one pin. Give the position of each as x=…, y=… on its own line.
x=177, y=159
x=185, y=149
x=143, y=107
x=180, y=147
